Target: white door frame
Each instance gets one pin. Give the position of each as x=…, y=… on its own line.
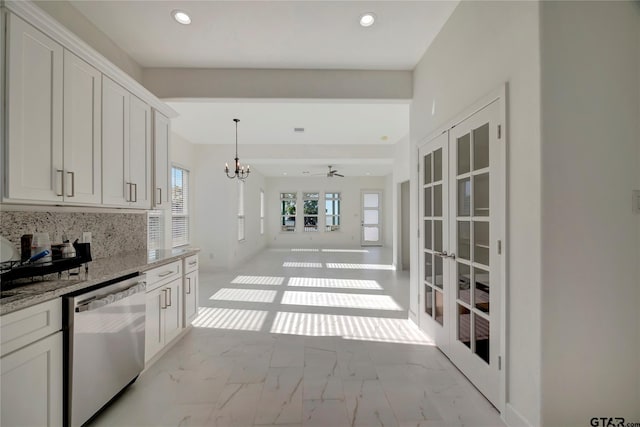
x=499, y=95
x=380, y=213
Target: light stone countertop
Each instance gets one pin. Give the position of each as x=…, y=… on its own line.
x=100, y=270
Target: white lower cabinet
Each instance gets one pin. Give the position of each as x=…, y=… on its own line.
x=190, y=297
x=163, y=316
x=31, y=366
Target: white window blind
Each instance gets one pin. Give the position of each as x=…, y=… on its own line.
x=155, y=230
x=240, y=210
x=261, y=212
x=179, y=206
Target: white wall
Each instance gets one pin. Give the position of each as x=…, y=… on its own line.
x=590, y=251
x=482, y=46
x=401, y=173
x=70, y=17
x=349, y=187
x=216, y=204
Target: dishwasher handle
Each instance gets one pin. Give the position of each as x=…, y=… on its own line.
x=105, y=300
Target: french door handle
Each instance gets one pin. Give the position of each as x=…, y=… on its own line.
x=445, y=254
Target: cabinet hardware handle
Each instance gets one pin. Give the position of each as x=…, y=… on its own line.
x=188, y=285
x=445, y=254
x=129, y=198
x=61, y=172
x=163, y=301
x=193, y=262
x=159, y=201
x=73, y=184
x=135, y=186
x=165, y=274
x=169, y=304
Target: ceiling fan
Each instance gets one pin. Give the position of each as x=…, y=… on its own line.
x=332, y=172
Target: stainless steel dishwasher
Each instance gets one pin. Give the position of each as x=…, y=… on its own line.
x=104, y=343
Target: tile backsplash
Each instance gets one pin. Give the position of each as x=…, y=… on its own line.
x=111, y=233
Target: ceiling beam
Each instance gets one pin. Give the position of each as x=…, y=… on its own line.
x=192, y=83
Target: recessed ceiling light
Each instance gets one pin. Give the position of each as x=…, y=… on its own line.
x=181, y=17
x=368, y=173
x=284, y=173
x=367, y=19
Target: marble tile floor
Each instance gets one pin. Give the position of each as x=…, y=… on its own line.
x=288, y=340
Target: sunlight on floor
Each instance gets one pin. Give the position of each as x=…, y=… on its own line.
x=302, y=264
x=244, y=295
x=258, y=280
x=332, y=299
x=349, y=327
x=320, y=282
x=360, y=266
x=227, y=318
x=347, y=251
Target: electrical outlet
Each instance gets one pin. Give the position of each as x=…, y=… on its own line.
x=86, y=237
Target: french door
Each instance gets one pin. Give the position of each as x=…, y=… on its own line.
x=371, y=218
x=461, y=211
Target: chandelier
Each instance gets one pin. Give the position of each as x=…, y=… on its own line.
x=239, y=172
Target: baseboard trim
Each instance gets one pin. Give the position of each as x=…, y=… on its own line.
x=513, y=418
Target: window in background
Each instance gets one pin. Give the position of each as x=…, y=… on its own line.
x=155, y=230
x=332, y=211
x=179, y=206
x=240, y=210
x=288, y=211
x=261, y=212
x=310, y=201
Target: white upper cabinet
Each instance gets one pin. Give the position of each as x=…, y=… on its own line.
x=82, y=131
x=161, y=129
x=139, y=160
x=126, y=148
x=34, y=114
x=115, y=143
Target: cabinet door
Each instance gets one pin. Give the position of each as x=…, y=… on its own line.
x=31, y=384
x=154, y=325
x=161, y=129
x=173, y=312
x=82, y=136
x=190, y=297
x=115, y=143
x=34, y=114
x=140, y=153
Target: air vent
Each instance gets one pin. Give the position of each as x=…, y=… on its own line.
x=298, y=130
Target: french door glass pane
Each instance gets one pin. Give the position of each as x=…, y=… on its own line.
x=464, y=283
x=464, y=155
x=371, y=216
x=437, y=200
x=437, y=165
x=464, y=240
x=428, y=300
x=481, y=195
x=481, y=334
x=371, y=234
x=481, y=292
x=464, y=197
x=427, y=169
x=427, y=201
x=464, y=325
x=437, y=261
x=481, y=242
x=428, y=268
x=481, y=147
x=439, y=314
x=427, y=235
x=371, y=200
x=437, y=235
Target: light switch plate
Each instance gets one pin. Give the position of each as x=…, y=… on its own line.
x=86, y=237
x=636, y=202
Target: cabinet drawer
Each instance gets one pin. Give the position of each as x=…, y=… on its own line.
x=191, y=263
x=28, y=325
x=163, y=274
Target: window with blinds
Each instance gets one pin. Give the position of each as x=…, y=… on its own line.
x=332, y=211
x=155, y=230
x=261, y=212
x=240, y=210
x=179, y=206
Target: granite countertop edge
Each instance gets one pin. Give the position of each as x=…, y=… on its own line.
x=107, y=269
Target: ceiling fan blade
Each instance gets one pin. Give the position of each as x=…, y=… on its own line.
x=337, y=174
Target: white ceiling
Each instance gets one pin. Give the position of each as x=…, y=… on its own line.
x=271, y=34
x=319, y=169
x=273, y=122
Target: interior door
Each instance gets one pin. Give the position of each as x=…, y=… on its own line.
x=461, y=205
x=371, y=218
x=475, y=231
x=434, y=242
